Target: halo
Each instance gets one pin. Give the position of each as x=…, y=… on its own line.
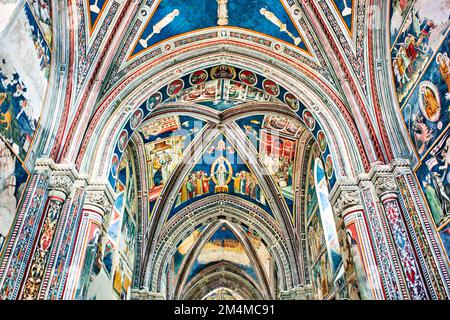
x=228, y=164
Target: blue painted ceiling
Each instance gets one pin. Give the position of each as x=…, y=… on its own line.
x=201, y=14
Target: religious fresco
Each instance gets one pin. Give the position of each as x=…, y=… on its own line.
x=92, y=254
x=434, y=176
x=122, y=280
x=24, y=71
x=346, y=10
x=427, y=110
x=13, y=178
x=221, y=94
x=322, y=277
x=126, y=181
x=261, y=249
x=223, y=246
x=325, y=253
x=421, y=35
x=24, y=68
x=171, y=19
x=421, y=70
x=256, y=87
x=399, y=10
x=43, y=12
x=165, y=141
x=220, y=170
x=113, y=233
x=274, y=138
x=311, y=194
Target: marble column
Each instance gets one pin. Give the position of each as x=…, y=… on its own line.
x=359, y=260
x=424, y=238
x=23, y=234
x=144, y=294
x=95, y=217
x=387, y=191
x=62, y=177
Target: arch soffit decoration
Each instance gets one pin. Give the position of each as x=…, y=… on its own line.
x=116, y=114
x=219, y=275
x=195, y=250
x=205, y=212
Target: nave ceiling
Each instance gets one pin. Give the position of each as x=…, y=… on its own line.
x=208, y=121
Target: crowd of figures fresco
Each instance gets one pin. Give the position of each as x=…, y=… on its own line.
x=220, y=170
x=223, y=246
x=24, y=73
x=110, y=258
x=324, y=249
x=421, y=66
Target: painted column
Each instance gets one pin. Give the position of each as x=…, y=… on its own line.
x=423, y=236
x=144, y=294
x=87, y=252
x=58, y=266
x=386, y=189
x=23, y=235
x=362, y=263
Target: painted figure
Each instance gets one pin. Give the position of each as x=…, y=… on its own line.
x=8, y=200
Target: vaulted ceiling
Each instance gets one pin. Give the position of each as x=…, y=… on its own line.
x=217, y=105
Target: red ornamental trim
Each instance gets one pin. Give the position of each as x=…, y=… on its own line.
x=374, y=89
x=57, y=154
x=354, y=84
x=133, y=76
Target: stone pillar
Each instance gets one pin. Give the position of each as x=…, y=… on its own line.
x=23, y=234
x=298, y=293
x=144, y=294
x=60, y=184
x=387, y=191
x=60, y=256
x=95, y=213
x=359, y=260
x=383, y=247
x=422, y=232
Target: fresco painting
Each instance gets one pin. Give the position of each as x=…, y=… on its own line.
x=421, y=67
x=427, y=111
x=24, y=71
x=434, y=175
x=268, y=17
x=220, y=170
x=399, y=12
x=113, y=233
x=43, y=12
x=165, y=141
x=221, y=94
x=13, y=178
x=92, y=254
x=126, y=181
x=274, y=138
x=223, y=246
x=421, y=35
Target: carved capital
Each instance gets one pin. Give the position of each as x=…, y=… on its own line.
x=61, y=183
x=99, y=199
x=385, y=184
x=347, y=199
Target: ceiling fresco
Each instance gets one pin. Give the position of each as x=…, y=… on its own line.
x=221, y=169
x=275, y=140
x=170, y=19
x=222, y=246
x=251, y=86
x=95, y=9
x=346, y=9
